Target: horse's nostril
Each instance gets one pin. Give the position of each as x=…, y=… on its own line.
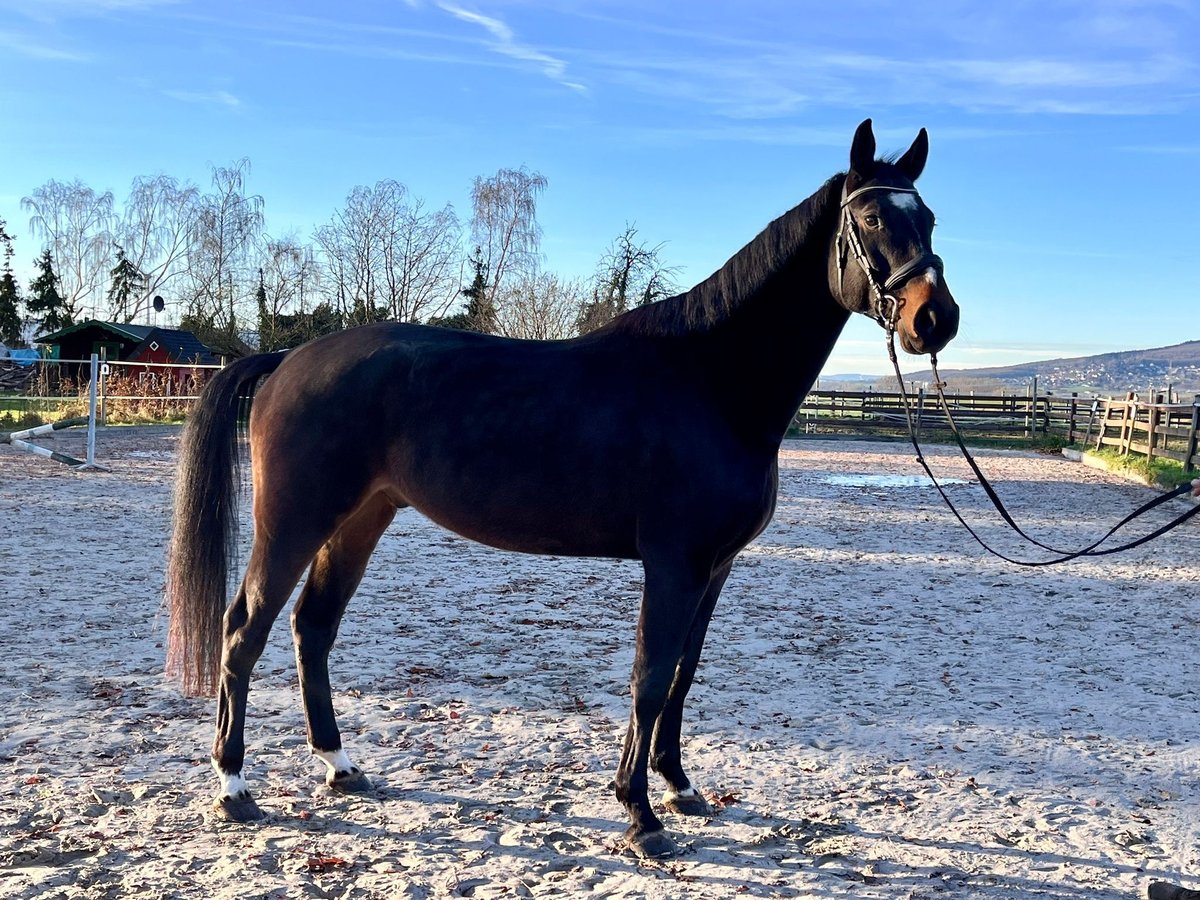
x=925, y=321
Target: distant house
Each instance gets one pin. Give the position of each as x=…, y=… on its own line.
x=127, y=343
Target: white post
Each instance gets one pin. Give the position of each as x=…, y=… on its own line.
x=91, y=434
x=90, y=462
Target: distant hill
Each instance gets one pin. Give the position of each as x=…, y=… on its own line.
x=1177, y=366
x=850, y=379
x=1106, y=373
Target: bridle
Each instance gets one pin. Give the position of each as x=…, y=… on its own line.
x=885, y=309
x=885, y=306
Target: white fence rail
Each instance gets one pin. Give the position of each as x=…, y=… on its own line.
x=48, y=390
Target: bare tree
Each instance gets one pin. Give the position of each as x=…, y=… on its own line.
x=541, y=307
x=352, y=243
x=422, y=261
x=154, y=230
x=224, y=231
x=630, y=273
x=390, y=257
x=289, y=284
x=76, y=225
x=504, y=226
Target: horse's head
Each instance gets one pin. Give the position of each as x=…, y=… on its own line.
x=883, y=264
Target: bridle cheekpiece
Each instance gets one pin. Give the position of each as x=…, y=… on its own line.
x=885, y=306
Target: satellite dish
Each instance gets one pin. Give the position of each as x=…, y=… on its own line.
x=159, y=305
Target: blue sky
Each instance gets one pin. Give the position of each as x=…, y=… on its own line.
x=1064, y=135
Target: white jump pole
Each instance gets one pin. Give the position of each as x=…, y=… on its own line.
x=91, y=433
x=17, y=438
x=90, y=463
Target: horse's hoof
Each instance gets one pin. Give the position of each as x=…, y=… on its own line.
x=688, y=803
x=1161, y=890
x=351, y=782
x=237, y=809
x=650, y=845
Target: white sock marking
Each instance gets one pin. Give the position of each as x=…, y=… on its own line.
x=233, y=785
x=687, y=793
x=337, y=761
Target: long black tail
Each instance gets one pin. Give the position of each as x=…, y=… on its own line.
x=204, y=536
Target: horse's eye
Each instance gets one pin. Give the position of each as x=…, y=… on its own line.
x=871, y=221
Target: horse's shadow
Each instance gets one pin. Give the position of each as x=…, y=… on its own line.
x=763, y=865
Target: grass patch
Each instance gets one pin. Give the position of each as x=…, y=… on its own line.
x=1036, y=442
x=19, y=420
x=1165, y=473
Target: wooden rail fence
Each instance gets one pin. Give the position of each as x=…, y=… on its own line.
x=1150, y=427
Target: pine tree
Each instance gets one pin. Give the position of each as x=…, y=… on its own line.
x=481, y=310
x=266, y=322
x=127, y=282
x=44, y=301
x=10, y=294
x=480, y=314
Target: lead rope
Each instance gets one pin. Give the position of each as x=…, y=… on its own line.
x=1064, y=555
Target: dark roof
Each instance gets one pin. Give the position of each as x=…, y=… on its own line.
x=181, y=346
x=129, y=332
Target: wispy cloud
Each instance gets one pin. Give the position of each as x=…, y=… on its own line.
x=205, y=98
x=56, y=10
x=1099, y=57
x=24, y=45
x=88, y=7
x=504, y=41
x=1163, y=149
x=773, y=84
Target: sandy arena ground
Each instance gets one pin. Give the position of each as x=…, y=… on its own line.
x=882, y=712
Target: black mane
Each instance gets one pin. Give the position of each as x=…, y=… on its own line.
x=745, y=274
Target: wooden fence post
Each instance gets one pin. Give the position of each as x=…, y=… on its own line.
x=1192, y=437
x=1091, y=418
x=1031, y=408
x=1128, y=417
x=1154, y=414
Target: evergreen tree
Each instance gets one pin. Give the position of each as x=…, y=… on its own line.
x=10, y=294
x=44, y=301
x=480, y=314
x=268, y=327
x=481, y=308
x=127, y=282
x=324, y=319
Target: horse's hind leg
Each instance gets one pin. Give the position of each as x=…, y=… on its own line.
x=271, y=574
x=665, y=755
x=332, y=580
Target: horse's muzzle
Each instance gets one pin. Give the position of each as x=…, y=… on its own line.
x=928, y=318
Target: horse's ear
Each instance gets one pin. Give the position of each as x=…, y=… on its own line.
x=912, y=163
x=862, y=150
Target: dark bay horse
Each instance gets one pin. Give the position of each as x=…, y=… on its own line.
x=654, y=438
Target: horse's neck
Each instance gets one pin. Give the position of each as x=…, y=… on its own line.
x=768, y=350
x=769, y=358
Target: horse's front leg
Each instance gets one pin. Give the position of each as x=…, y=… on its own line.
x=332, y=580
x=670, y=599
x=665, y=754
